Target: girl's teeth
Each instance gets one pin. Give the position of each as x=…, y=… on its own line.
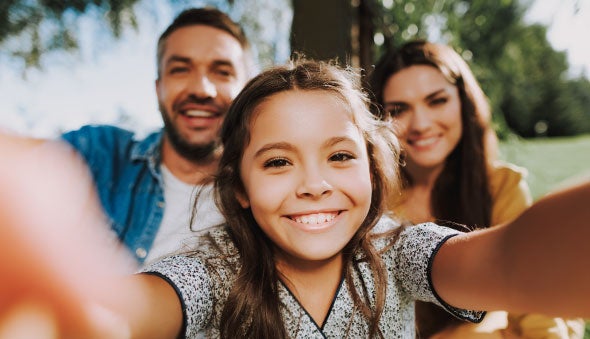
x=315, y=218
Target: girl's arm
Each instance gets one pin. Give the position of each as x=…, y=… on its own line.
x=537, y=263
x=146, y=305
x=62, y=272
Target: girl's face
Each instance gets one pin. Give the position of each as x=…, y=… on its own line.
x=306, y=174
x=426, y=113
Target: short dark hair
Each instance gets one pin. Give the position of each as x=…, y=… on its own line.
x=207, y=16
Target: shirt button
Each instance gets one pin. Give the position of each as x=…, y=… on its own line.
x=161, y=204
x=141, y=252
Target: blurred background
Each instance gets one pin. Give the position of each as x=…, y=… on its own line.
x=66, y=63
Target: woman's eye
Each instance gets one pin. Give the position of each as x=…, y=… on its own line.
x=438, y=101
x=395, y=110
x=277, y=162
x=341, y=156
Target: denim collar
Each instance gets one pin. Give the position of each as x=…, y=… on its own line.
x=149, y=150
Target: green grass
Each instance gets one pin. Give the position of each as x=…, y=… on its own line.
x=552, y=163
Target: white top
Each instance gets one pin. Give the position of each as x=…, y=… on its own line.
x=175, y=234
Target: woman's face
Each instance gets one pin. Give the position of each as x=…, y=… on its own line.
x=426, y=113
x=306, y=175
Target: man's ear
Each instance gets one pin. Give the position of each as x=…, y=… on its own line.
x=242, y=199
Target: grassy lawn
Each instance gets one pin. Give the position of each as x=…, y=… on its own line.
x=552, y=163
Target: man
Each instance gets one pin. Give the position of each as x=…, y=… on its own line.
x=147, y=187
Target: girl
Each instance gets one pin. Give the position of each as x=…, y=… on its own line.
x=442, y=118
x=305, y=252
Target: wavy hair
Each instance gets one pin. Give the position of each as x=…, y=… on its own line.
x=461, y=193
x=252, y=308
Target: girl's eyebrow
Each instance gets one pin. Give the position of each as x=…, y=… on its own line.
x=275, y=145
x=336, y=140
x=289, y=147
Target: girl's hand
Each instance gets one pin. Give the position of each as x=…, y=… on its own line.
x=58, y=259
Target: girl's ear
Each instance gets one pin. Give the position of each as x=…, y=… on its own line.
x=242, y=199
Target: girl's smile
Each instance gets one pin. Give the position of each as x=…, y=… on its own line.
x=314, y=222
x=306, y=173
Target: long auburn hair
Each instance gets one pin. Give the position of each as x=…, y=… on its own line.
x=461, y=193
x=253, y=307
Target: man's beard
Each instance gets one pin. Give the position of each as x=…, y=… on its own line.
x=200, y=153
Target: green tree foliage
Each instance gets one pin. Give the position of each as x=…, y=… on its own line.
x=524, y=77
x=30, y=29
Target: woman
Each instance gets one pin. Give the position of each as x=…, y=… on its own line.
x=442, y=118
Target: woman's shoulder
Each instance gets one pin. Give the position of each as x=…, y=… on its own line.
x=505, y=177
x=501, y=171
x=509, y=190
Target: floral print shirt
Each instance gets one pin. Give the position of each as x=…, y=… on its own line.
x=202, y=292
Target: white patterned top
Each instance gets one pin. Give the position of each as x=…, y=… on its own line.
x=202, y=293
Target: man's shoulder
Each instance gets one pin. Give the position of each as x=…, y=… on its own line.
x=104, y=132
x=90, y=138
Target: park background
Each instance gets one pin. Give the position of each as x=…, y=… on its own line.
x=67, y=63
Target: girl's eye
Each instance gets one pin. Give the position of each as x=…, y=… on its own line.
x=277, y=163
x=341, y=157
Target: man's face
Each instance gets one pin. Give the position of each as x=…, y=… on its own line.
x=201, y=71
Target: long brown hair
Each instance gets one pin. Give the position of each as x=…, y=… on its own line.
x=252, y=308
x=461, y=193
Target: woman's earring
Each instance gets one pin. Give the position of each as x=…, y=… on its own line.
x=402, y=158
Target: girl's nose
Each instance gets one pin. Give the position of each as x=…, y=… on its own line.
x=313, y=184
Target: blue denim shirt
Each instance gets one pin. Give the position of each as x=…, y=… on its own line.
x=128, y=180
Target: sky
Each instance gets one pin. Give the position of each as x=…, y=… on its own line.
x=112, y=81
x=569, y=24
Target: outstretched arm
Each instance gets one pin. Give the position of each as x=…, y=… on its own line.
x=62, y=273
x=537, y=263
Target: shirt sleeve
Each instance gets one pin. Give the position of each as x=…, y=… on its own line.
x=413, y=254
x=190, y=280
